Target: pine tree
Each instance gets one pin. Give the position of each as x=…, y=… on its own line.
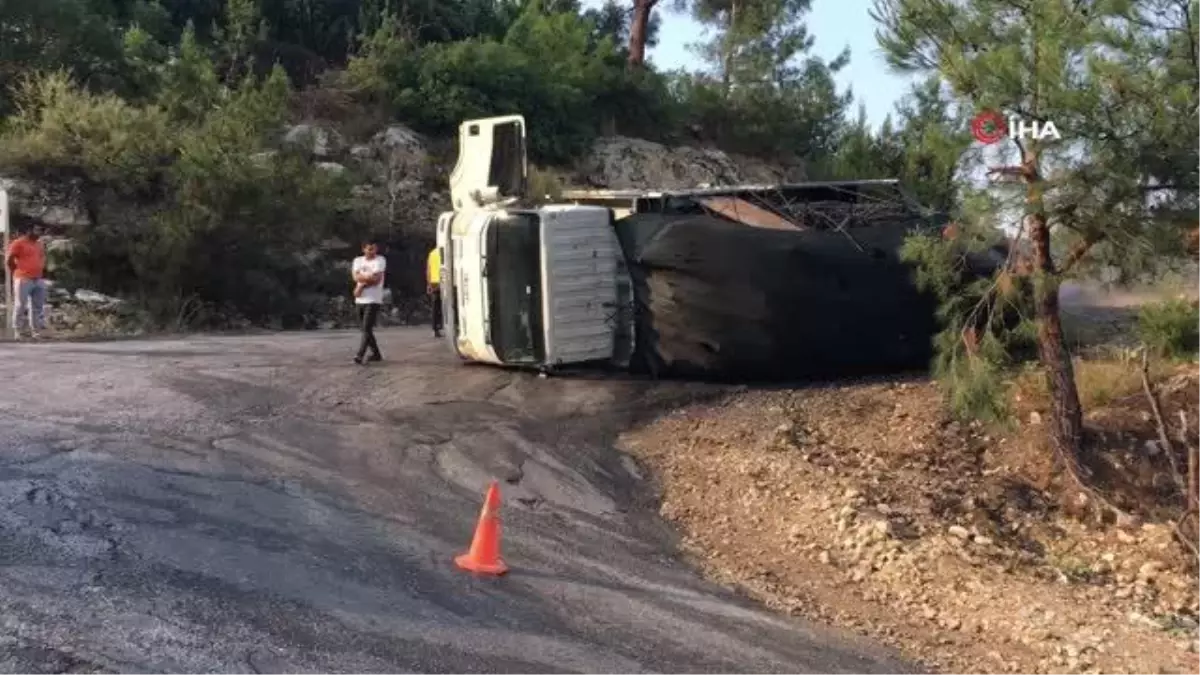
x=756, y=41
x=1118, y=78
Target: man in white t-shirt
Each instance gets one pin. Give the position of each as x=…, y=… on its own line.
x=368, y=271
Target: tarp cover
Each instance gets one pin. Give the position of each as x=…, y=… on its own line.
x=720, y=300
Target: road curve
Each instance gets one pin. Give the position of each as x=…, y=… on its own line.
x=259, y=504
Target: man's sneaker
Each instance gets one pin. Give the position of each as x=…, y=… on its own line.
x=358, y=360
x=374, y=357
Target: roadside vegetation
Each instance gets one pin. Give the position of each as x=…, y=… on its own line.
x=163, y=118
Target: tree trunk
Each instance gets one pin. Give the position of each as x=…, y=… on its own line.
x=638, y=30
x=1066, y=426
x=727, y=49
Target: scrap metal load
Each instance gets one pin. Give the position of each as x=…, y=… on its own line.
x=776, y=282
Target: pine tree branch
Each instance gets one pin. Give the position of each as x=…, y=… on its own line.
x=1160, y=424
x=1186, y=486
x=1193, y=466
x=1078, y=252
x=1009, y=171
x=1030, y=115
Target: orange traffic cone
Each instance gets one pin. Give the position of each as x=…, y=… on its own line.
x=484, y=556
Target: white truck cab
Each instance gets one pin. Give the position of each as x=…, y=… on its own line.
x=539, y=287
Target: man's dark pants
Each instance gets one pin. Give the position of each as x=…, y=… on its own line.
x=367, y=316
x=435, y=307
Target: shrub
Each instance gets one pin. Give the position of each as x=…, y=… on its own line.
x=549, y=67
x=983, y=334
x=1170, y=328
x=228, y=225
x=545, y=185
x=61, y=129
x=799, y=118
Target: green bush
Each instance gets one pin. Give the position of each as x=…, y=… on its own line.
x=549, y=67
x=1170, y=328
x=983, y=334
x=60, y=128
x=195, y=219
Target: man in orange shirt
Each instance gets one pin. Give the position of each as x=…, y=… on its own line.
x=26, y=260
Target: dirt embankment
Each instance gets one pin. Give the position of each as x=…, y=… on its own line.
x=865, y=506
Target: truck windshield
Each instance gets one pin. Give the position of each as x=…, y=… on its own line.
x=514, y=282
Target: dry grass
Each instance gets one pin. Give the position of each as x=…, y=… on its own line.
x=545, y=185
x=1101, y=381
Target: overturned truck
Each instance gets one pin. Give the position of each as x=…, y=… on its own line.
x=781, y=280
x=738, y=282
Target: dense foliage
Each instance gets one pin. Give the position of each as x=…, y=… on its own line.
x=182, y=224
x=1121, y=78
x=164, y=116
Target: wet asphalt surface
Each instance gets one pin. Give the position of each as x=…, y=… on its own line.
x=259, y=504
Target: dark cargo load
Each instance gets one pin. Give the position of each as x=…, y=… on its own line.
x=717, y=299
x=778, y=282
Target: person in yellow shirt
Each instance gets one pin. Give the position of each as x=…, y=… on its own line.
x=433, y=287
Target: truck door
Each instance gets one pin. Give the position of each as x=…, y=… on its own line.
x=492, y=168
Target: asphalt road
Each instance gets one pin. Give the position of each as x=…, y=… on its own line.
x=259, y=504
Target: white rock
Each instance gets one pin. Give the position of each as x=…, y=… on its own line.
x=618, y=162
x=959, y=531
x=58, y=245
x=321, y=142
x=94, y=298
x=54, y=204
x=401, y=159
x=1149, y=571
x=263, y=158
x=1139, y=619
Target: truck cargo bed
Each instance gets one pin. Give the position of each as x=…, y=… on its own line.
x=719, y=300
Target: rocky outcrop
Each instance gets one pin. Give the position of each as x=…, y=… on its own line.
x=401, y=188
x=321, y=142
x=400, y=182
x=56, y=206
x=617, y=162
x=399, y=173
x=400, y=149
